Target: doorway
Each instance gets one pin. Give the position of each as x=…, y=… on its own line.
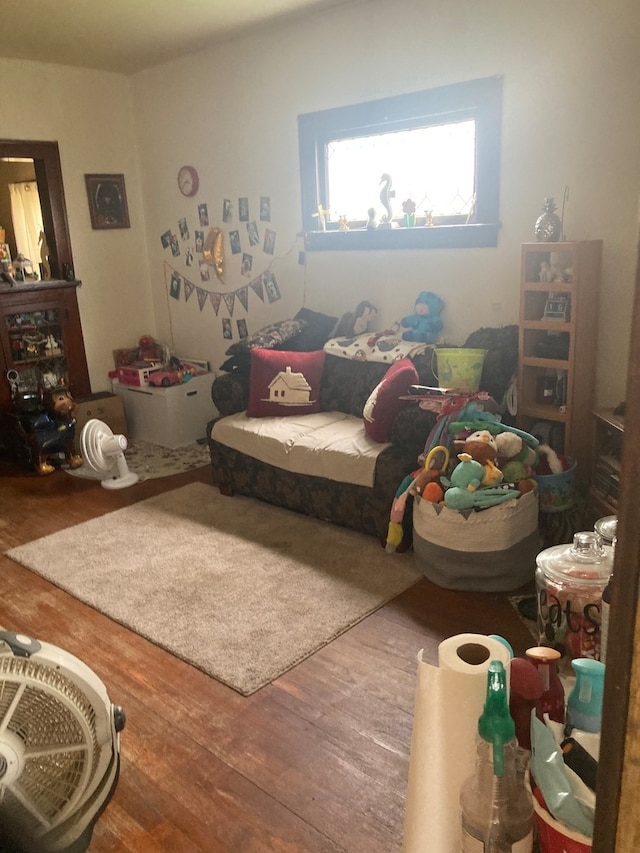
x=42, y=161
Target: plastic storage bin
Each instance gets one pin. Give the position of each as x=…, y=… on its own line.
x=171, y=417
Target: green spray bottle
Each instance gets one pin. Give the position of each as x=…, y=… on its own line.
x=496, y=808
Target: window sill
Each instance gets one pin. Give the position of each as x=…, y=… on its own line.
x=432, y=237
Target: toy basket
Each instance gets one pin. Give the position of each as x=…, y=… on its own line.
x=491, y=550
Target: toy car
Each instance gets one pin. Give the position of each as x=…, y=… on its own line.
x=165, y=378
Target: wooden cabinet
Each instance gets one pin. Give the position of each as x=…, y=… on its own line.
x=41, y=339
x=557, y=345
x=604, y=489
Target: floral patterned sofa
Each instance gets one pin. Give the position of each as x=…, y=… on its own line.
x=345, y=386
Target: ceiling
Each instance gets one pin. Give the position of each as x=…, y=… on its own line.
x=130, y=35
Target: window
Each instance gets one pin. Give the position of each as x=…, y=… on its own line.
x=428, y=164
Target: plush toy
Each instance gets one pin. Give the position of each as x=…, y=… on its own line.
x=49, y=430
x=356, y=322
x=459, y=498
x=424, y=325
x=481, y=446
x=516, y=460
x=467, y=474
x=422, y=482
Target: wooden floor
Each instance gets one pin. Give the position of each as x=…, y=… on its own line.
x=316, y=762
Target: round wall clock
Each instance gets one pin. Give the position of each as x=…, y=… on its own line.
x=188, y=181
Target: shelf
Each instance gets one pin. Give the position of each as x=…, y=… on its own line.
x=545, y=363
x=542, y=413
x=557, y=347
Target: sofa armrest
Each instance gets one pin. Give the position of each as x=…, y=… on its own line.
x=411, y=428
x=230, y=393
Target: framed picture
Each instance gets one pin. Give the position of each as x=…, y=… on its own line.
x=107, y=201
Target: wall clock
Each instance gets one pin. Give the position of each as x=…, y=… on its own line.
x=188, y=181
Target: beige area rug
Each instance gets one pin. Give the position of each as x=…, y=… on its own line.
x=150, y=461
x=236, y=587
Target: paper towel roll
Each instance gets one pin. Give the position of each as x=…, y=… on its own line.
x=448, y=704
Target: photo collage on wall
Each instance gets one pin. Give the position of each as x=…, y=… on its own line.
x=251, y=243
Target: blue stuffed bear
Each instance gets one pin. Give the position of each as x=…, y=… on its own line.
x=424, y=325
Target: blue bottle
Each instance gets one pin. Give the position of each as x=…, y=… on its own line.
x=584, y=705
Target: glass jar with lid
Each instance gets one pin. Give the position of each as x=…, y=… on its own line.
x=570, y=580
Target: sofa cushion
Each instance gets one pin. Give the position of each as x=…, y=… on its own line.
x=268, y=337
x=383, y=404
x=284, y=383
x=317, y=331
x=333, y=445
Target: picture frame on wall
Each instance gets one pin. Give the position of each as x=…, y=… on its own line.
x=107, y=201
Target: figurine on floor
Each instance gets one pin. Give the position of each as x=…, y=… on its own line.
x=47, y=427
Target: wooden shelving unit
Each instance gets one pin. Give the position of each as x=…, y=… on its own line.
x=41, y=338
x=608, y=433
x=559, y=286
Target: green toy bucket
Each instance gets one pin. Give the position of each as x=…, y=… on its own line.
x=459, y=368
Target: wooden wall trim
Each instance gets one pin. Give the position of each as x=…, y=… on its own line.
x=617, y=823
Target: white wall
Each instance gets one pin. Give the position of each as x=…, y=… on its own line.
x=90, y=115
x=571, y=78
x=571, y=118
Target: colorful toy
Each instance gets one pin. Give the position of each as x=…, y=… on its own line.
x=356, y=322
x=481, y=445
x=423, y=482
x=424, y=325
x=46, y=423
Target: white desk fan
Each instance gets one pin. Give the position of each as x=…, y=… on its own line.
x=104, y=452
x=59, y=747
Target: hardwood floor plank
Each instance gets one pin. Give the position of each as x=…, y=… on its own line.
x=316, y=762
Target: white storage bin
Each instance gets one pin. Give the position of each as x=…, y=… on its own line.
x=171, y=417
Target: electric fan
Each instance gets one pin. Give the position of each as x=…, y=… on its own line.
x=59, y=748
x=104, y=452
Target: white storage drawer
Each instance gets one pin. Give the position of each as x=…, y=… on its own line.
x=171, y=417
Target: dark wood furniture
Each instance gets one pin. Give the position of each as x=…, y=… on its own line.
x=604, y=489
x=41, y=309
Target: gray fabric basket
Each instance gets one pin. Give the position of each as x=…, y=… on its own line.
x=493, y=550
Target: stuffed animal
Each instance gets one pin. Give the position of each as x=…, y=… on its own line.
x=424, y=325
x=422, y=482
x=50, y=431
x=516, y=460
x=467, y=474
x=356, y=322
x=481, y=446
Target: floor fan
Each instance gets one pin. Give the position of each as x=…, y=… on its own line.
x=59, y=748
x=104, y=452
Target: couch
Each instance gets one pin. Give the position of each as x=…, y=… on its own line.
x=345, y=386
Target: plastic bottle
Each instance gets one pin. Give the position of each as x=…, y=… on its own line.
x=552, y=700
x=496, y=809
x=584, y=705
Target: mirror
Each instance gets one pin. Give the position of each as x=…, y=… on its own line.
x=48, y=176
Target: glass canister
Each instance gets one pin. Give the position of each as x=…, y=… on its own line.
x=570, y=580
x=607, y=527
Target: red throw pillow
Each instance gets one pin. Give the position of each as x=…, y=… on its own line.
x=383, y=404
x=284, y=383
